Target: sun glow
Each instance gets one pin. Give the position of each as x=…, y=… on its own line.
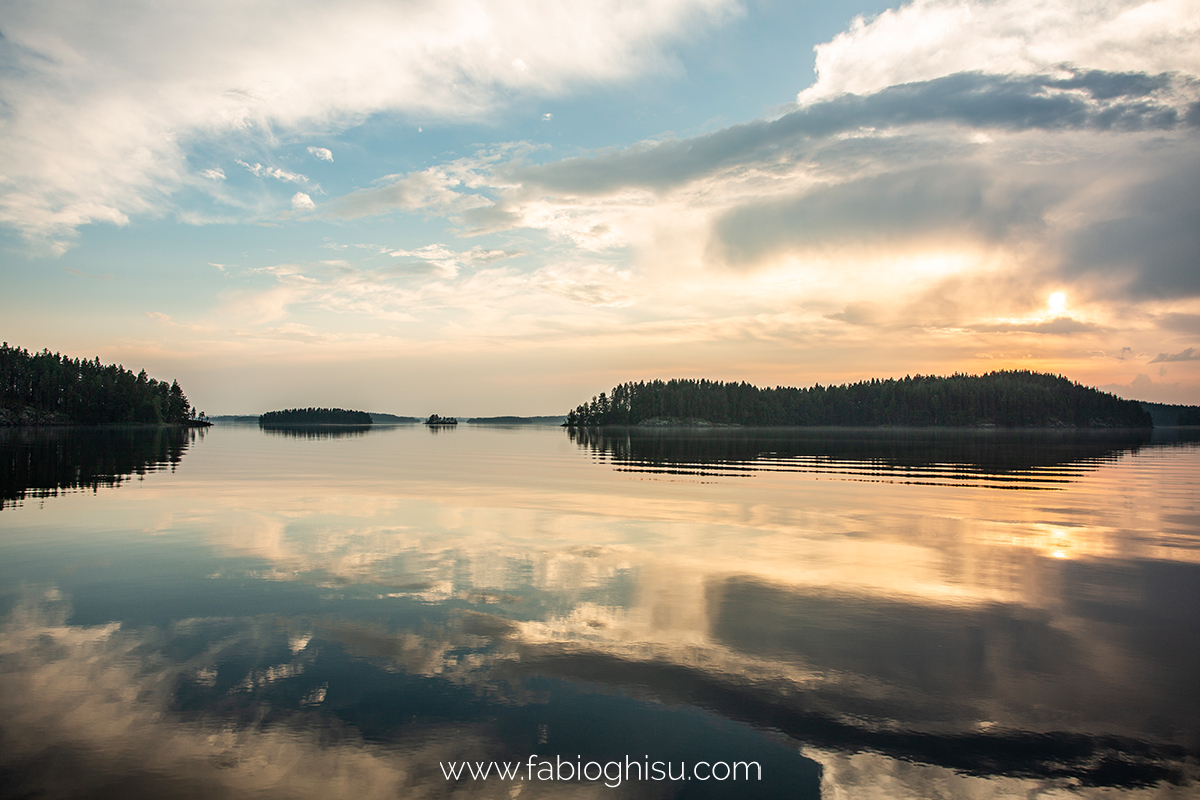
x=1057, y=302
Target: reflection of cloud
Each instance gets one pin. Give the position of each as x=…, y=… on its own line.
x=87, y=699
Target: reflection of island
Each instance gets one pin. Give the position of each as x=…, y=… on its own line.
x=43, y=462
x=1016, y=458
x=436, y=420
x=316, y=431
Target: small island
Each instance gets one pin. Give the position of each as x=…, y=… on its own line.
x=434, y=419
x=293, y=417
x=1005, y=399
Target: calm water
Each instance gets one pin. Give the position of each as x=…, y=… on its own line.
x=342, y=613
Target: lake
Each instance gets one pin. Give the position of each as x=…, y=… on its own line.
x=387, y=612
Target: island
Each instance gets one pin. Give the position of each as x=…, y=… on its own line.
x=293, y=417
x=434, y=419
x=1008, y=399
x=52, y=389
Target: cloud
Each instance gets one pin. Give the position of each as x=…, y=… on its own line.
x=1080, y=100
x=105, y=277
x=946, y=201
x=1146, y=236
x=302, y=202
x=103, y=104
x=448, y=262
x=599, y=286
x=1061, y=326
x=214, y=174
x=431, y=191
x=259, y=171
x=930, y=39
x=321, y=153
x=857, y=314
x=1189, y=354
x=1187, y=323
x=1144, y=388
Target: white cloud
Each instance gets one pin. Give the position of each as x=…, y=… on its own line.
x=322, y=153
x=431, y=191
x=302, y=202
x=102, y=103
x=214, y=174
x=259, y=171
x=448, y=262
x=933, y=38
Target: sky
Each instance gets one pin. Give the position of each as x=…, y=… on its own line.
x=482, y=208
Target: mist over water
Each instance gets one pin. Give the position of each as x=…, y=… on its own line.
x=893, y=614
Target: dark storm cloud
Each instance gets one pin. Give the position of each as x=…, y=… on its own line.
x=947, y=200
x=1151, y=238
x=1085, y=100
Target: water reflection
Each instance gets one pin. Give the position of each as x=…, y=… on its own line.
x=1021, y=459
x=289, y=620
x=317, y=431
x=42, y=462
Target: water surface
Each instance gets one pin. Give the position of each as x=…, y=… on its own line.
x=892, y=614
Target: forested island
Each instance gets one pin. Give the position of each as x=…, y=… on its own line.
x=998, y=399
x=313, y=416
x=51, y=389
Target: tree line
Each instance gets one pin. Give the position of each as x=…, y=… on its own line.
x=314, y=416
x=1016, y=398
x=49, y=388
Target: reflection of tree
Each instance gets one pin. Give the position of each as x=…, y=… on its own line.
x=39, y=462
x=995, y=453
x=316, y=431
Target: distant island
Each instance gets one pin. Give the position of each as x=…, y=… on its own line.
x=391, y=419
x=313, y=416
x=510, y=420
x=1009, y=399
x=1169, y=415
x=434, y=419
x=52, y=389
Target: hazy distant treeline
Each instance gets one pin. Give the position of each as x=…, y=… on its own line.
x=315, y=416
x=1007, y=399
x=48, y=388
